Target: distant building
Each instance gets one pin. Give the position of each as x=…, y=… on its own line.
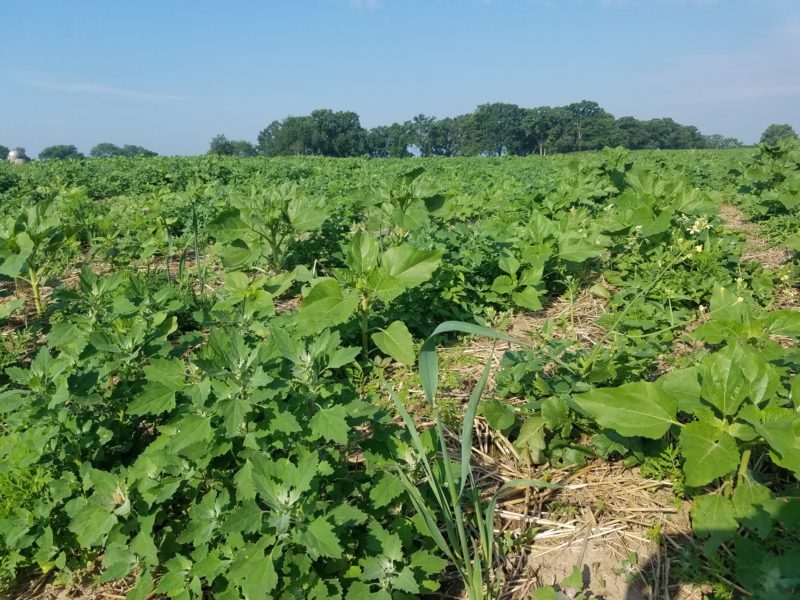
x=15, y=157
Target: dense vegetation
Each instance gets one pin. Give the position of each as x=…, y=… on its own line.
x=201, y=361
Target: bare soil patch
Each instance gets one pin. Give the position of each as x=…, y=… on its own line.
x=757, y=246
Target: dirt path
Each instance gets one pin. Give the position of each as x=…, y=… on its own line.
x=758, y=247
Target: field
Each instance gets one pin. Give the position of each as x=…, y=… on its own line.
x=573, y=376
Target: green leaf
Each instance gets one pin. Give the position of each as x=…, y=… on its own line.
x=411, y=266
x=755, y=506
x=509, y=264
x=405, y=582
x=326, y=305
x=634, y=409
x=784, y=322
x=118, y=561
x=254, y=572
x=228, y=226
x=305, y=214
x=14, y=263
x=396, y=341
x=330, y=424
x=528, y=298
x=684, y=386
x=10, y=307
x=503, y=284
x=723, y=383
x=386, y=488
x=709, y=453
x=428, y=563
x=361, y=253
x=245, y=518
x=573, y=247
x=243, y=480
x=499, y=414
x=714, y=516
x=321, y=540
x=90, y=523
x=531, y=439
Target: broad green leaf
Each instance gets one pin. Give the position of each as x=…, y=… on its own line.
x=428, y=563
x=331, y=424
x=784, y=322
x=14, y=263
x=118, y=561
x=684, y=386
x=714, y=516
x=531, y=439
x=384, y=286
x=405, y=581
x=254, y=572
x=228, y=226
x=709, y=453
x=634, y=409
x=245, y=518
x=191, y=430
x=90, y=523
x=396, y=341
x=573, y=247
x=305, y=214
x=243, y=480
x=499, y=414
x=9, y=308
x=411, y=266
x=755, y=506
x=320, y=539
x=528, y=297
x=503, y=284
x=508, y=264
x=326, y=305
x=386, y=488
x=154, y=399
x=361, y=253
x=723, y=384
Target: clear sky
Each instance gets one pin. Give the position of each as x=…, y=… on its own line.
x=170, y=74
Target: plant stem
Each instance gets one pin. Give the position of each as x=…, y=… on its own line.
x=200, y=276
x=37, y=298
x=365, y=332
x=743, y=466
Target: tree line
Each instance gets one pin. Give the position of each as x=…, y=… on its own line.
x=494, y=129
x=69, y=151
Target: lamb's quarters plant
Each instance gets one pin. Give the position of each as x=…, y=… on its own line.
x=30, y=243
x=225, y=470
x=259, y=226
x=371, y=277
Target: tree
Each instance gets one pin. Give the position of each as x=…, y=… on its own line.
x=108, y=150
x=130, y=151
x=389, y=141
x=292, y=136
x=105, y=150
x=494, y=129
x=446, y=136
x=220, y=145
x=537, y=124
x=635, y=135
x=60, y=152
x=777, y=132
x=337, y=133
x=3, y=152
x=721, y=142
x=243, y=148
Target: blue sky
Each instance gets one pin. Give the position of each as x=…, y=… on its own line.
x=170, y=74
